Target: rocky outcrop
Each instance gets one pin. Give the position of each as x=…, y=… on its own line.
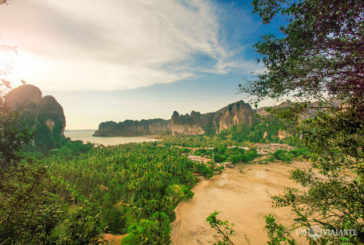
x=185, y=129
x=43, y=115
x=211, y=123
x=133, y=128
x=25, y=97
x=51, y=114
x=233, y=114
x=194, y=123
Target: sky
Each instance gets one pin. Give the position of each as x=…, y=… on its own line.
x=132, y=59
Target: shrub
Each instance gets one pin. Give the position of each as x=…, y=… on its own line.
x=249, y=155
x=283, y=155
x=204, y=170
x=219, y=158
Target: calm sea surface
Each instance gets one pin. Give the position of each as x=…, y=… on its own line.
x=86, y=136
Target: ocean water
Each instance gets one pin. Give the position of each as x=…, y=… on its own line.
x=86, y=137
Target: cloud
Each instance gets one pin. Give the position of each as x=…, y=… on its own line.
x=106, y=45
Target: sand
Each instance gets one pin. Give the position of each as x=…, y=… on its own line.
x=112, y=239
x=243, y=197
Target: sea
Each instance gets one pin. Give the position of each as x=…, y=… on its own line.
x=86, y=137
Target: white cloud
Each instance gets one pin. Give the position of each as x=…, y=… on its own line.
x=113, y=44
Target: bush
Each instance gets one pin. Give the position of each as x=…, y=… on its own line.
x=221, y=148
x=204, y=170
x=154, y=230
x=301, y=152
x=220, y=158
x=283, y=155
x=249, y=155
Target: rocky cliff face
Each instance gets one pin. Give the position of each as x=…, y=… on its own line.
x=210, y=123
x=236, y=113
x=43, y=115
x=194, y=123
x=133, y=128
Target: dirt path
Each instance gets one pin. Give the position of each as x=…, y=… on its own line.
x=243, y=197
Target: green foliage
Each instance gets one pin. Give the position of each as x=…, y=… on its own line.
x=264, y=129
x=71, y=149
x=82, y=226
x=154, y=230
x=204, y=170
x=220, y=150
x=283, y=155
x=13, y=135
x=319, y=53
x=288, y=156
x=320, y=56
x=249, y=155
x=178, y=193
x=224, y=228
x=29, y=212
x=277, y=234
x=202, y=152
x=32, y=214
x=129, y=183
x=132, y=128
x=220, y=157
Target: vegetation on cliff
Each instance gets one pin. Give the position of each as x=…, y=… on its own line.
x=43, y=116
x=30, y=210
x=133, y=128
x=203, y=123
x=237, y=121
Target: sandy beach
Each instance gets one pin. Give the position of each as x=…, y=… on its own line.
x=243, y=195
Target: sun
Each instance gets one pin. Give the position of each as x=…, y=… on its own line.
x=8, y=55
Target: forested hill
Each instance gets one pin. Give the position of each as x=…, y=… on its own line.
x=133, y=128
x=42, y=115
x=194, y=123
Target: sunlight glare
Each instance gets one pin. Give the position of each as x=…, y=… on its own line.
x=7, y=60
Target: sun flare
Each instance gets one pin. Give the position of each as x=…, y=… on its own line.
x=7, y=59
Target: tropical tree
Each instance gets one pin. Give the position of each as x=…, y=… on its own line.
x=223, y=228
x=31, y=212
x=320, y=56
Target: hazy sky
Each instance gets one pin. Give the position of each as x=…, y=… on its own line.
x=131, y=59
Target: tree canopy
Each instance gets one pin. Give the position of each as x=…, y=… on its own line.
x=321, y=52
x=320, y=56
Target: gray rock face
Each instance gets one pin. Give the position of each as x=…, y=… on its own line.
x=236, y=113
x=189, y=124
x=210, y=123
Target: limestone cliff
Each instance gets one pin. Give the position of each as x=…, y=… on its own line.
x=194, y=123
x=133, y=128
x=211, y=123
x=233, y=114
x=43, y=115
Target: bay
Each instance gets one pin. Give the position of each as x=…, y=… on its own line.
x=86, y=137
